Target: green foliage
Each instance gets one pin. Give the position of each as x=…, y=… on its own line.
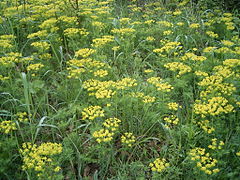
x=119, y=89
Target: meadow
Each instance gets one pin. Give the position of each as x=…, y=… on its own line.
x=119, y=90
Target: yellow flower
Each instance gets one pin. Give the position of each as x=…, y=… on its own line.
x=212, y=34
x=161, y=86
x=85, y=52
x=227, y=43
x=115, y=48
x=7, y=126
x=100, y=42
x=103, y=135
x=23, y=116
x=194, y=26
x=40, y=158
x=166, y=33
x=92, y=112
x=123, y=31
x=203, y=160
x=34, y=67
x=173, y=106
x=159, y=165
x=205, y=126
x=148, y=71
x=150, y=38
x=4, y=78
x=112, y=123
x=177, y=66
x=100, y=73
x=41, y=46
x=128, y=139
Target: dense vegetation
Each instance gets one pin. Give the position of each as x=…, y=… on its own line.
x=119, y=90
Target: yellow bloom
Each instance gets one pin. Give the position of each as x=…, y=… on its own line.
x=159, y=165
x=128, y=139
x=92, y=112
x=7, y=126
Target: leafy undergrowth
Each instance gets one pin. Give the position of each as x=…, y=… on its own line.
x=107, y=90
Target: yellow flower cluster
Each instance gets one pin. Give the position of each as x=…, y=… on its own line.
x=209, y=49
x=34, y=67
x=49, y=24
x=41, y=46
x=223, y=71
x=173, y=106
x=11, y=58
x=201, y=73
x=128, y=139
x=103, y=135
x=231, y=62
x=85, y=52
x=39, y=34
x=125, y=82
x=168, y=47
x=45, y=56
x=94, y=85
x=6, y=41
x=101, y=86
x=224, y=50
x=165, y=23
x=124, y=20
x=71, y=32
x=7, y=126
x=238, y=153
x=75, y=73
x=171, y=120
x=100, y=42
x=92, y=112
x=194, y=26
x=23, y=116
x=104, y=93
x=214, y=106
x=106, y=134
x=144, y=98
x=100, y=73
x=177, y=12
x=4, y=78
x=177, y=66
x=123, y=31
x=212, y=34
x=168, y=32
x=159, y=165
x=85, y=65
x=148, y=71
x=215, y=84
x=193, y=57
x=115, y=48
x=66, y=19
x=203, y=160
x=215, y=144
x=39, y=157
x=150, y=21
x=161, y=86
x=227, y=43
x=150, y=38
x=205, y=125
x=180, y=24
x=148, y=99
x=112, y=123
x=227, y=19
x=98, y=24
